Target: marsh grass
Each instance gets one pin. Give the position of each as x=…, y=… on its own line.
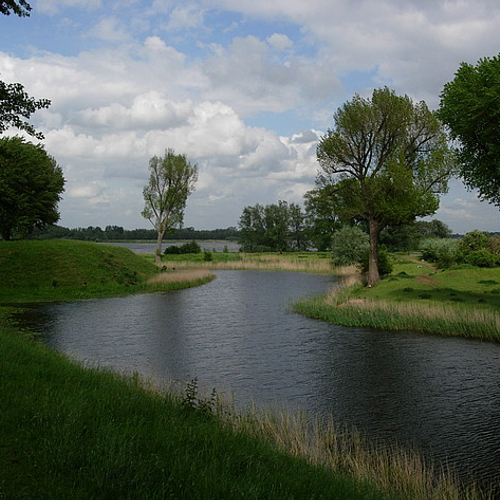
x=312, y=262
x=457, y=302
x=84, y=433
x=182, y=278
x=388, y=468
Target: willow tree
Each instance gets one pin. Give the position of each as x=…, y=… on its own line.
x=387, y=160
x=171, y=181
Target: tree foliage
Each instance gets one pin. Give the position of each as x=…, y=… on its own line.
x=172, y=179
x=31, y=184
x=16, y=106
x=20, y=7
x=276, y=227
x=470, y=107
x=387, y=160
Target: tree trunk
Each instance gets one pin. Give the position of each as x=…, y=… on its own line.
x=373, y=275
x=158, y=248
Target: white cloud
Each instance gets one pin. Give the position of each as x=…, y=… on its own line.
x=194, y=76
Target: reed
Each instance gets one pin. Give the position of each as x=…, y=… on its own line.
x=183, y=278
x=440, y=319
x=388, y=468
x=312, y=262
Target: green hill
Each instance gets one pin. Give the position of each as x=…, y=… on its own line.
x=63, y=269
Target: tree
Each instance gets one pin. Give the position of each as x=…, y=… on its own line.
x=322, y=216
x=387, y=160
x=171, y=181
x=31, y=184
x=272, y=228
x=15, y=103
x=470, y=107
x=20, y=8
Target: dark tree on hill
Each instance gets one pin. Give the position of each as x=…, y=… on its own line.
x=387, y=159
x=31, y=184
x=470, y=106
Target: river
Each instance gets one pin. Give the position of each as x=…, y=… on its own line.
x=237, y=333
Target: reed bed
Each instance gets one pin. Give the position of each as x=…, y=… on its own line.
x=182, y=276
x=388, y=468
x=311, y=263
x=344, y=306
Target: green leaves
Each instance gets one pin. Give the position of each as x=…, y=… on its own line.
x=31, y=184
x=470, y=107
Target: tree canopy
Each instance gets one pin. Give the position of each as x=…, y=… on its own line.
x=20, y=8
x=31, y=184
x=470, y=107
x=276, y=227
x=172, y=179
x=16, y=106
x=387, y=160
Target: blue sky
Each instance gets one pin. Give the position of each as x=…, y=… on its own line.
x=244, y=89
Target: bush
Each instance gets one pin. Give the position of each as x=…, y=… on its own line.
x=441, y=251
x=191, y=247
x=481, y=258
x=349, y=246
x=207, y=257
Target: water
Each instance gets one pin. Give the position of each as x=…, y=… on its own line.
x=210, y=245
x=438, y=395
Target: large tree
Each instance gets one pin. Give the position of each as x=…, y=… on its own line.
x=387, y=160
x=31, y=184
x=172, y=179
x=16, y=106
x=470, y=107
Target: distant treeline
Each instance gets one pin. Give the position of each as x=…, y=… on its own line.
x=113, y=233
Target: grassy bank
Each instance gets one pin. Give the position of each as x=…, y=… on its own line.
x=69, y=432
x=313, y=262
x=73, y=432
x=70, y=270
x=462, y=301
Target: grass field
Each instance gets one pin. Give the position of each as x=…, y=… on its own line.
x=462, y=301
x=70, y=270
x=68, y=431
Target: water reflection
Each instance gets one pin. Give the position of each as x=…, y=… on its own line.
x=440, y=395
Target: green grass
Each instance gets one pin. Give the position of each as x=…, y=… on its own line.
x=462, y=301
x=69, y=270
x=69, y=432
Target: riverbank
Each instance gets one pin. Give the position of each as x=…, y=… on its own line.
x=311, y=262
x=460, y=301
x=78, y=432
x=70, y=432
x=62, y=270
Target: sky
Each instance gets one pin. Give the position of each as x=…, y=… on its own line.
x=244, y=89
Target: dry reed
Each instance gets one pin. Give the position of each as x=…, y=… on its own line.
x=183, y=276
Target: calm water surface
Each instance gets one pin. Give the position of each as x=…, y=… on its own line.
x=438, y=395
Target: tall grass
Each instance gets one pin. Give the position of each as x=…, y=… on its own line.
x=313, y=262
x=342, y=450
x=181, y=278
x=76, y=433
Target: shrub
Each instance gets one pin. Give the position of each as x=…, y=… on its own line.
x=349, y=246
x=207, y=256
x=191, y=247
x=481, y=258
x=442, y=251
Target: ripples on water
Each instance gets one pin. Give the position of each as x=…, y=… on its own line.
x=439, y=395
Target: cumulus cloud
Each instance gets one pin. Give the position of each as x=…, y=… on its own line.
x=219, y=80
